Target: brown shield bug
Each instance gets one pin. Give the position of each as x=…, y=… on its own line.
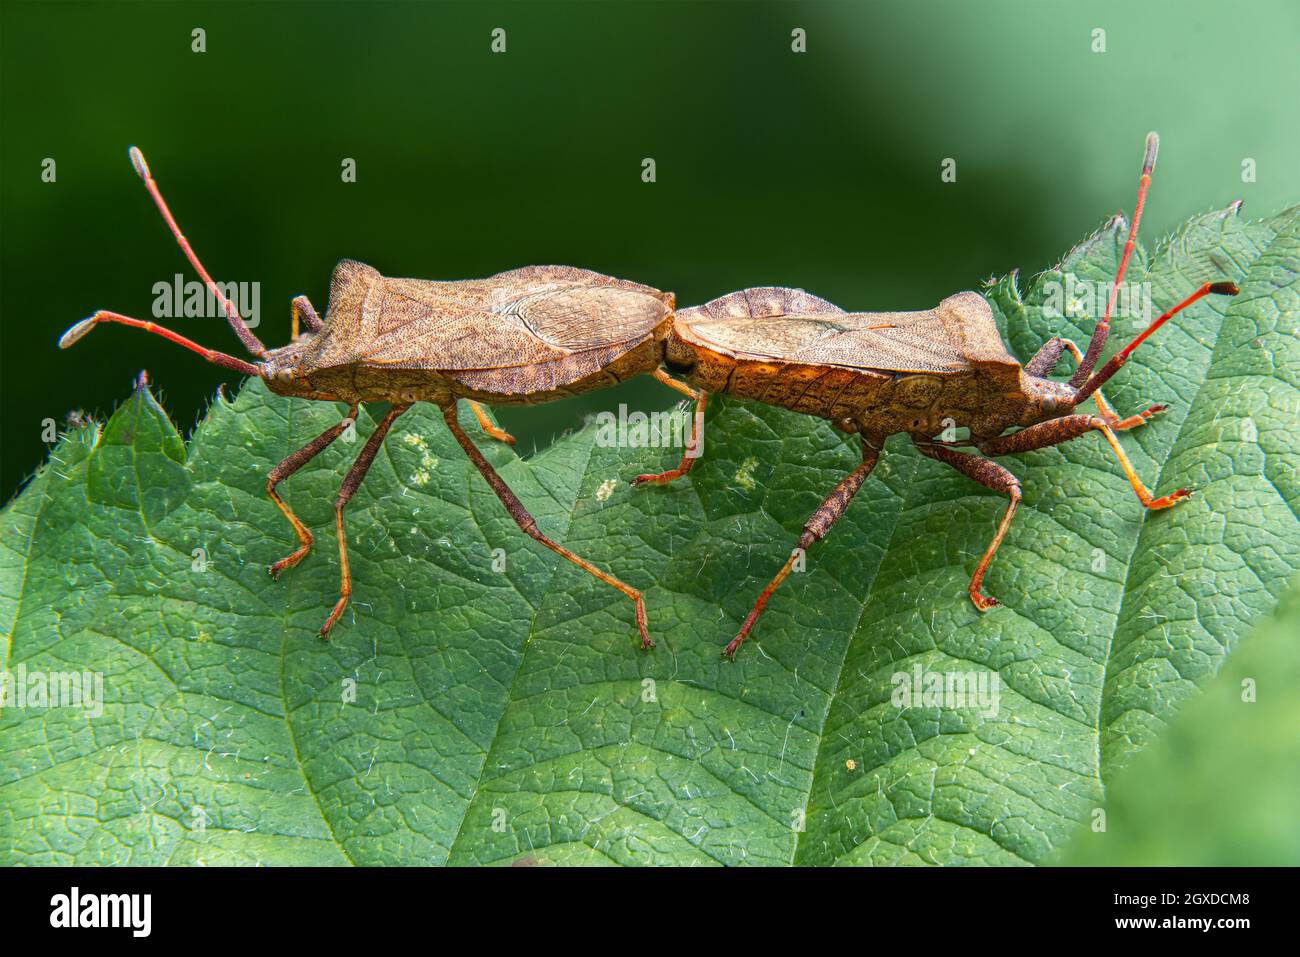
x=520, y=337
x=876, y=374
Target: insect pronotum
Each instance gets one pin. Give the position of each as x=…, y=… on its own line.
x=875, y=374
x=520, y=337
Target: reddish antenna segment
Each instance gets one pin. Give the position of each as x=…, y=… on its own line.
x=1099, y=334
x=250, y=341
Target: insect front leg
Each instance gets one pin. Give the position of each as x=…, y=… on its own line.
x=286, y=468
x=1104, y=407
x=1113, y=420
x=990, y=475
x=1044, y=363
x=356, y=475
x=1045, y=360
x=1067, y=427
x=818, y=524
x=528, y=525
x=694, y=447
x=302, y=311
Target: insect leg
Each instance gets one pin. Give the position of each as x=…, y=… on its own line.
x=529, y=525
x=1104, y=407
x=286, y=468
x=818, y=524
x=356, y=475
x=301, y=309
x=1132, y=421
x=1044, y=363
x=1056, y=431
x=990, y=475
x=1045, y=359
x=486, y=424
x=672, y=383
x=693, y=448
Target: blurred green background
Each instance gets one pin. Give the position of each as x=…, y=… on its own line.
x=820, y=169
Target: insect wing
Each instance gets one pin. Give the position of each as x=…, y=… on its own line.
x=412, y=331
x=957, y=335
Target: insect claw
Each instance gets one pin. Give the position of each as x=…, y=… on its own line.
x=1173, y=498
x=658, y=478
x=291, y=560
x=333, y=617
x=641, y=624
x=500, y=435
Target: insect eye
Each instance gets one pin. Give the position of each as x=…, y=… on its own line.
x=286, y=375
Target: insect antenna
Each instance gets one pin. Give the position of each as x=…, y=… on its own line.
x=246, y=336
x=80, y=329
x=1099, y=334
x=1117, y=360
x=251, y=342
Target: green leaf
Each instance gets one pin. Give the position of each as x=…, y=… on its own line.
x=1219, y=787
x=466, y=714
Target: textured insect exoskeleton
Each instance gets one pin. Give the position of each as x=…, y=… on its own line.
x=520, y=337
x=877, y=373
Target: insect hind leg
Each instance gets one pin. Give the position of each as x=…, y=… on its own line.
x=818, y=524
x=528, y=525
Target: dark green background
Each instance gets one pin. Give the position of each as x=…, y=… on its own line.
x=819, y=170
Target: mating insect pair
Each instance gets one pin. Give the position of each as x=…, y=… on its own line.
x=544, y=332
